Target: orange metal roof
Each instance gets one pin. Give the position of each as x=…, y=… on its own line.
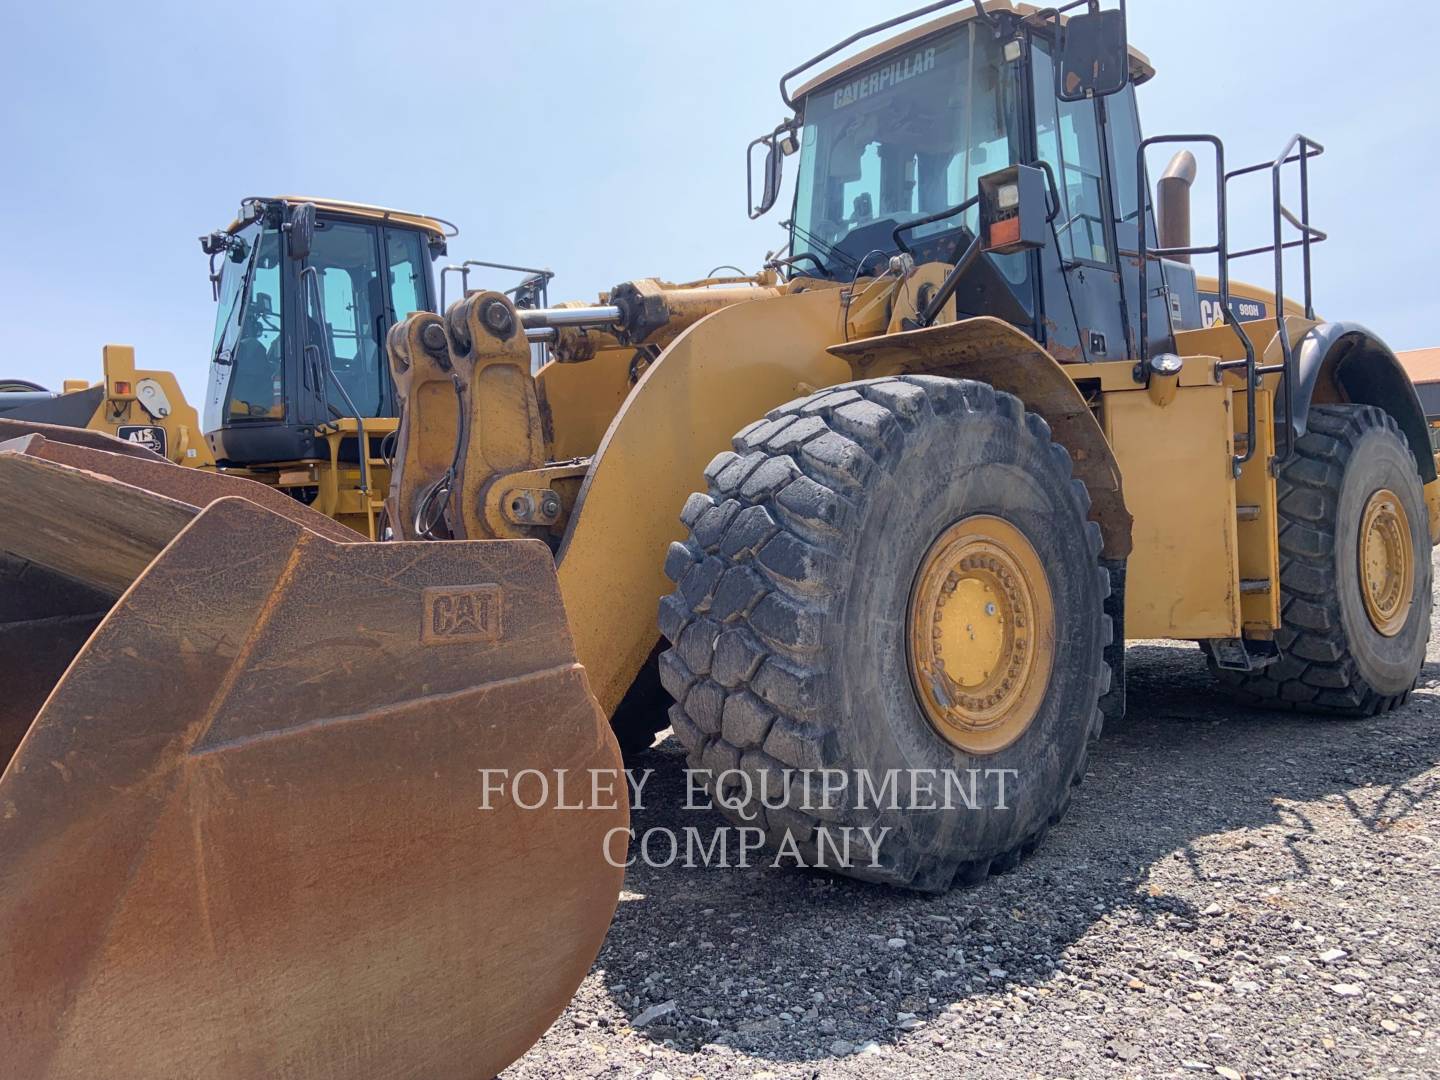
x=1423, y=365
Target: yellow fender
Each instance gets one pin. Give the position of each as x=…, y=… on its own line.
x=721, y=374
x=995, y=352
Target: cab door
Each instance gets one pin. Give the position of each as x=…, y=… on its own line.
x=1132, y=206
x=350, y=322
x=1068, y=140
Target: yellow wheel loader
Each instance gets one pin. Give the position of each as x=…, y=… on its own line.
x=298, y=382
x=883, y=513
x=936, y=464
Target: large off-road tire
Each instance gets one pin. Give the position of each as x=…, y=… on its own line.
x=1351, y=491
x=793, y=623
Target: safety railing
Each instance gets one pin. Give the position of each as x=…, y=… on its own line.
x=1300, y=149
x=533, y=292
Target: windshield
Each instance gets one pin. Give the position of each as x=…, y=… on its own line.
x=233, y=272
x=247, y=375
x=897, y=140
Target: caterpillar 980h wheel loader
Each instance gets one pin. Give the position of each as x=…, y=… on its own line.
x=970, y=434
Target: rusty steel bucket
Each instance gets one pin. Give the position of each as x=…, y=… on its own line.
x=243, y=825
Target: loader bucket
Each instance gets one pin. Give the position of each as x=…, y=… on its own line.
x=245, y=831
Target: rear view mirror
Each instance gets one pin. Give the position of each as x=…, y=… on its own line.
x=777, y=145
x=301, y=228
x=1094, y=56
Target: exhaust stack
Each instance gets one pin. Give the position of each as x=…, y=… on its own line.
x=1172, y=202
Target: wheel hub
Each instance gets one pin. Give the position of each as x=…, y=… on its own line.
x=981, y=634
x=1387, y=563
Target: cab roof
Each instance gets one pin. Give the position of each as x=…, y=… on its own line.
x=1140, y=67
x=436, y=227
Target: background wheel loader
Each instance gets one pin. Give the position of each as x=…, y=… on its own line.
x=240, y=815
x=297, y=378
x=968, y=436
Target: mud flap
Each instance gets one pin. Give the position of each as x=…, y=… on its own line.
x=246, y=835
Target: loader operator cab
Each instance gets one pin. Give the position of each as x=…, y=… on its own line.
x=306, y=291
x=892, y=148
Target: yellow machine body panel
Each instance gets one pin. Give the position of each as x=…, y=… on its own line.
x=136, y=401
x=1241, y=290
x=724, y=372
x=1182, y=580
x=580, y=400
x=341, y=491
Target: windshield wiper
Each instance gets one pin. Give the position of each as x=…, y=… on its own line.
x=808, y=256
x=829, y=249
x=232, y=318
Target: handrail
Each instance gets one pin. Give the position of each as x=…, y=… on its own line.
x=930, y=219
x=1308, y=235
x=463, y=269
x=1281, y=214
x=1052, y=205
x=1220, y=249
x=867, y=32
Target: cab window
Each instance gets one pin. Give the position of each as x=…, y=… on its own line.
x=405, y=258
x=899, y=139
x=1124, y=125
x=1067, y=137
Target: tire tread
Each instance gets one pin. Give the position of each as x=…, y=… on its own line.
x=827, y=449
x=1316, y=671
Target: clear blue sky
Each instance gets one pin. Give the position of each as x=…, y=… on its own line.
x=601, y=139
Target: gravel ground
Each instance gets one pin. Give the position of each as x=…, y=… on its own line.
x=1233, y=893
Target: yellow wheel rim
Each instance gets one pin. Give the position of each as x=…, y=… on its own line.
x=1387, y=562
x=981, y=634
